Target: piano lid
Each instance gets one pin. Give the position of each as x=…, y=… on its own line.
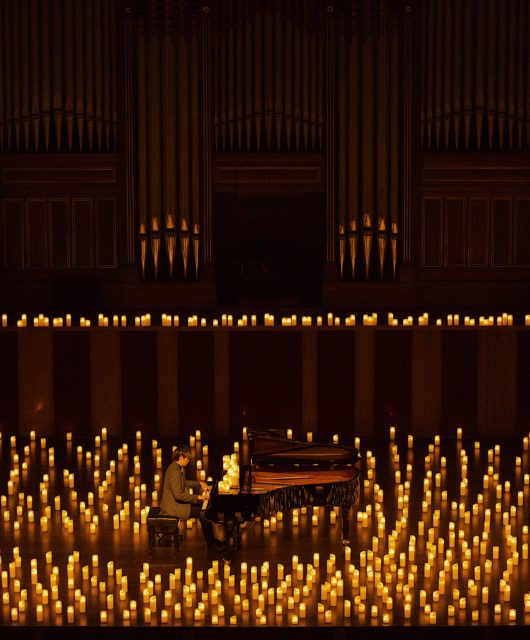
x=271, y=447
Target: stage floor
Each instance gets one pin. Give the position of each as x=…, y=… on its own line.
x=439, y=539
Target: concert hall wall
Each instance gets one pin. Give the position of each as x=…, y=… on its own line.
x=355, y=381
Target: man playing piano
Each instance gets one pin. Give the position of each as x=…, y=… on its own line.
x=183, y=498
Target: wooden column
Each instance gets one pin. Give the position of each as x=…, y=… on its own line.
x=129, y=128
x=330, y=137
x=309, y=381
x=206, y=52
x=406, y=235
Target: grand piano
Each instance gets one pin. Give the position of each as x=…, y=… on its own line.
x=279, y=474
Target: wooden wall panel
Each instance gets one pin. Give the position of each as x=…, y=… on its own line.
x=139, y=384
x=393, y=380
x=82, y=232
x=71, y=371
x=37, y=233
x=455, y=232
x=196, y=382
x=8, y=383
x=266, y=380
x=105, y=233
x=336, y=383
x=59, y=233
x=478, y=232
x=501, y=231
x=522, y=232
x=459, y=381
x=13, y=232
x=432, y=232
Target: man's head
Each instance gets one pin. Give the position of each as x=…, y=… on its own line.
x=182, y=454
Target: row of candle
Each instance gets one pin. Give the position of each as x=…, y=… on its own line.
x=227, y=320
x=372, y=560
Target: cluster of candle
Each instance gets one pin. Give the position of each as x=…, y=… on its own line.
x=463, y=559
x=170, y=321
x=370, y=320
x=230, y=472
x=228, y=320
x=103, y=321
x=504, y=320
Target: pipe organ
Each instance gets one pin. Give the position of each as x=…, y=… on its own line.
x=123, y=121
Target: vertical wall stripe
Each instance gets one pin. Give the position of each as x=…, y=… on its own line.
x=310, y=408
x=105, y=381
x=393, y=367
x=426, y=382
x=221, y=349
x=168, y=408
x=497, y=382
x=523, y=376
x=8, y=382
x=364, y=382
x=35, y=381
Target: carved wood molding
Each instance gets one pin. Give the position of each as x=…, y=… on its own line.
x=50, y=175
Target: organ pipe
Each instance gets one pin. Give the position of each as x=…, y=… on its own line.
x=58, y=65
x=267, y=75
x=367, y=92
x=475, y=64
x=169, y=120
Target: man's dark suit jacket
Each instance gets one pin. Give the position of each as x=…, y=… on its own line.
x=176, y=497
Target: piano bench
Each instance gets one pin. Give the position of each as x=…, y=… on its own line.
x=160, y=527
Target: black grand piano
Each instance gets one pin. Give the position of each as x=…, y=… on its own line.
x=279, y=474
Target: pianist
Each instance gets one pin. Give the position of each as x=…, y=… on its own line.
x=183, y=498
